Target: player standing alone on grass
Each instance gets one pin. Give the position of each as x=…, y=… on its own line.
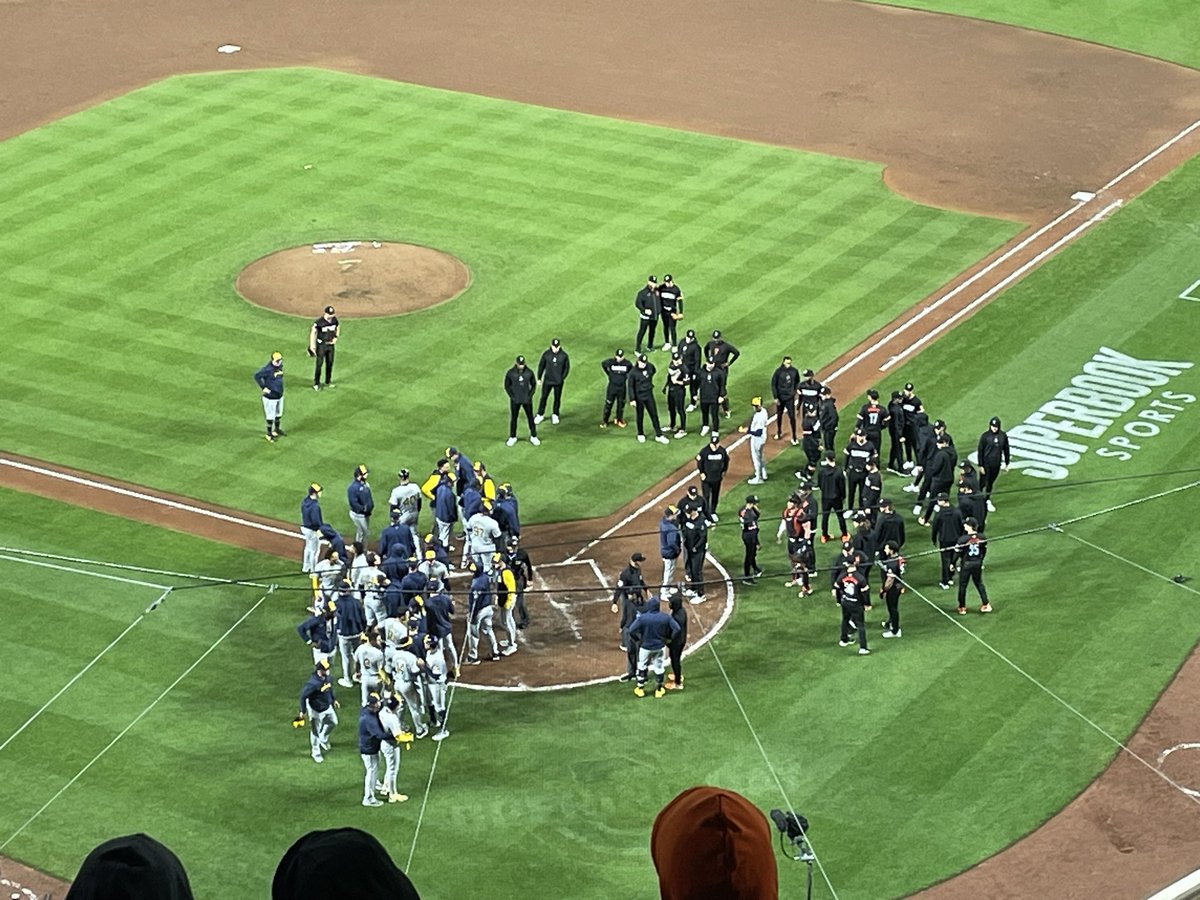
x=553, y=369
x=757, y=430
x=519, y=383
x=972, y=548
x=270, y=379
x=993, y=456
x=749, y=516
x=322, y=339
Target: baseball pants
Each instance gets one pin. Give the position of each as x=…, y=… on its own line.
x=346, y=646
x=320, y=726
x=711, y=490
x=668, y=577
x=513, y=408
x=892, y=599
x=972, y=574
x=436, y=688
x=710, y=414
x=855, y=478
x=362, y=525
x=273, y=413
x=312, y=547
x=783, y=407
x=669, y=333
x=646, y=326
x=615, y=397
x=481, y=625
x=677, y=409
x=987, y=479
x=695, y=572
x=324, y=357
x=546, y=389
x=443, y=533
x=757, y=446
x=371, y=776
x=510, y=623
x=411, y=696
x=371, y=684
x=653, y=660
x=853, y=618
x=645, y=407
x=391, y=766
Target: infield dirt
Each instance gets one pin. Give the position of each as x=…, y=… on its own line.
x=963, y=114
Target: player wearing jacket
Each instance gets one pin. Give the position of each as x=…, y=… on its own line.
x=653, y=630
x=480, y=612
x=889, y=526
x=311, y=521
x=853, y=597
x=827, y=412
x=724, y=355
x=783, y=389
x=710, y=391
x=872, y=418
x=646, y=303
x=809, y=390
x=749, y=515
x=519, y=563
x=795, y=525
x=320, y=633
x=506, y=600
x=872, y=490
x=691, y=353
x=910, y=404
x=947, y=526
x=553, y=369
x=936, y=479
x=972, y=548
x=519, y=383
x=993, y=456
x=318, y=704
x=676, y=390
x=670, y=543
x=629, y=597
x=712, y=463
x=896, y=426
x=810, y=442
x=854, y=459
x=641, y=397
x=617, y=369
x=891, y=565
x=679, y=641
x=370, y=738
x=270, y=381
x=695, y=544
x=831, y=481
x=361, y=503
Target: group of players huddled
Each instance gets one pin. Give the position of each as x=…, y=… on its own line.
x=387, y=611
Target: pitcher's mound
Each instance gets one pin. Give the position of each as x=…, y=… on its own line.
x=358, y=278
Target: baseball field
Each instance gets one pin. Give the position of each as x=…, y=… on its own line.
x=148, y=539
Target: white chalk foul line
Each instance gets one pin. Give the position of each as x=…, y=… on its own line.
x=124, y=731
x=113, y=565
x=146, y=498
x=74, y=571
x=999, y=286
x=1161, y=148
x=1128, y=562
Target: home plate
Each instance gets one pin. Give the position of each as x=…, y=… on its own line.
x=228, y=48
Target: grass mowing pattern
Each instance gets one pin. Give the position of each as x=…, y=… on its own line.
x=125, y=226
x=1167, y=29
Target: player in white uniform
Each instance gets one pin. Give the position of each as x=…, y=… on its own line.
x=406, y=499
x=404, y=668
x=435, y=684
x=369, y=657
x=758, y=440
x=397, y=738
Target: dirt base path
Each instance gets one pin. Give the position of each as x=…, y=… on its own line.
x=1010, y=128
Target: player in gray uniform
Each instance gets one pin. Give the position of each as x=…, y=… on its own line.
x=406, y=499
x=404, y=668
x=369, y=657
x=319, y=705
x=389, y=718
x=433, y=568
x=328, y=573
x=370, y=583
x=482, y=533
x=436, y=675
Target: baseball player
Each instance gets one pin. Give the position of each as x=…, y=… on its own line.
x=646, y=303
x=892, y=564
x=519, y=383
x=641, y=397
x=362, y=504
x=479, y=614
x=652, y=630
x=757, y=429
x=311, y=521
x=972, y=548
x=670, y=308
x=436, y=675
x=320, y=706
x=404, y=669
x=270, y=380
x=406, y=500
x=670, y=543
x=506, y=599
x=552, y=372
x=711, y=464
x=724, y=354
x=439, y=618
x=320, y=633
x=678, y=379
x=351, y=625
x=370, y=739
x=369, y=656
x=853, y=597
x=993, y=455
x=322, y=337
x=749, y=516
x=617, y=369
x=783, y=389
x=397, y=737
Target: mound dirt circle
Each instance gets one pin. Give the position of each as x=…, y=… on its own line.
x=358, y=278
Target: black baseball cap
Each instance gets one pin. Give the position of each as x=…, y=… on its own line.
x=692, y=489
x=652, y=279
x=716, y=334
x=637, y=557
x=619, y=352
x=690, y=333
x=329, y=310
x=752, y=499
x=909, y=386
x=942, y=495
x=556, y=343
x=808, y=373
x=714, y=438
x=995, y=420
x=520, y=360
x=666, y=278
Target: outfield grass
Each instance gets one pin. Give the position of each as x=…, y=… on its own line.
x=126, y=225
x=1167, y=29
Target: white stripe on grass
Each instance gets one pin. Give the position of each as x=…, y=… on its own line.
x=124, y=731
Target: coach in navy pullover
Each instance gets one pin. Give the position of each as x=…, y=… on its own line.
x=396, y=535
x=439, y=608
x=351, y=619
x=358, y=495
x=670, y=544
x=317, y=692
x=310, y=513
x=319, y=631
x=480, y=595
x=370, y=733
x=653, y=628
x=413, y=584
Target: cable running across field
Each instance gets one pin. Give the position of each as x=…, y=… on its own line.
x=124, y=731
x=462, y=654
x=1062, y=702
x=763, y=752
x=1129, y=562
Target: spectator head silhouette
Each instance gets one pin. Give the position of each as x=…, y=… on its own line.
x=713, y=844
x=342, y=862
x=133, y=867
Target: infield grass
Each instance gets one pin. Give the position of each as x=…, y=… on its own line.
x=125, y=227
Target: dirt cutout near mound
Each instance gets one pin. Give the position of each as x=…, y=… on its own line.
x=358, y=278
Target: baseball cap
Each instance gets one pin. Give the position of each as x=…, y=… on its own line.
x=846, y=545
x=395, y=515
x=329, y=310
x=315, y=488
x=651, y=279
x=666, y=278
x=873, y=394
x=403, y=473
x=716, y=334
x=714, y=438
x=942, y=495
x=323, y=663
x=690, y=333
x=826, y=390
x=431, y=554
x=637, y=557
x=619, y=352
x=520, y=360
x=276, y=358
x=995, y=420
x=361, y=470
x=477, y=466
x=556, y=343
x=672, y=509
x=451, y=451
x=752, y=499
x=756, y=401
x=909, y=386
x=939, y=423
x=692, y=489
x=808, y=373
x=643, y=358
x=676, y=356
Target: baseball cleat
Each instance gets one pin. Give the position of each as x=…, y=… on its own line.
x=554, y=420
x=641, y=439
x=696, y=599
x=660, y=693
x=986, y=608
x=270, y=438
x=754, y=480
x=536, y=441
x=620, y=423
x=441, y=735
x=845, y=643
x=510, y=650
x=691, y=407
x=397, y=798
x=663, y=439
x=511, y=441
x=863, y=651
x=962, y=610
x=990, y=507
x=681, y=433
x=666, y=346
x=345, y=682
x=639, y=691
x=380, y=787
x=539, y=419
x=372, y=801
x=603, y=424
x=318, y=758
x=422, y=733
x=703, y=430
x=625, y=677
x=795, y=443
x=496, y=657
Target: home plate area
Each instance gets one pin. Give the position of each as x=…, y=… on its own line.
x=572, y=639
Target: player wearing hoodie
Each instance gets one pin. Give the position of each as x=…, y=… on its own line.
x=653, y=630
x=993, y=456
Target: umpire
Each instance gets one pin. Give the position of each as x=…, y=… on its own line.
x=519, y=383
x=321, y=340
